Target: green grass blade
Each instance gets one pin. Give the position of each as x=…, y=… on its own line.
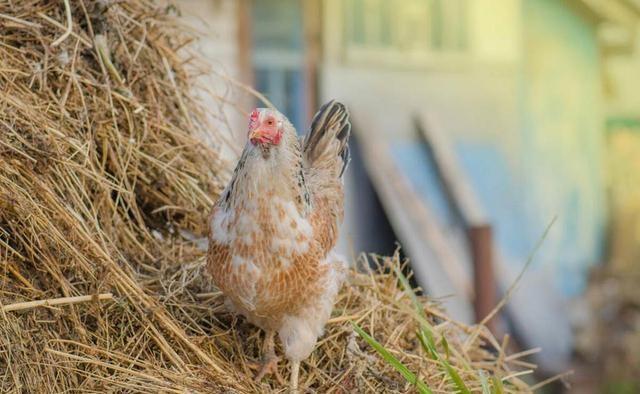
x=427, y=344
x=453, y=374
x=455, y=378
x=484, y=383
x=512, y=288
x=425, y=335
x=433, y=353
x=445, y=346
x=393, y=361
x=497, y=385
x=406, y=286
x=417, y=305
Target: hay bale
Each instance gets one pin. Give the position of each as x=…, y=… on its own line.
x=101, y=169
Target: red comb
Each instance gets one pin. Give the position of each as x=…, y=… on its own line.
x=253, y=118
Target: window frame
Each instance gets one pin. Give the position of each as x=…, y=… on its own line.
x=392, y=56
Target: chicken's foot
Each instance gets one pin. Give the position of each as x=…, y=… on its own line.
x=269, y=364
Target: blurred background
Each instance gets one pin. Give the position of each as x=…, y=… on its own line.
x=476, y=123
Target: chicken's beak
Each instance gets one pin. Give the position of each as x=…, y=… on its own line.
x=258, y=136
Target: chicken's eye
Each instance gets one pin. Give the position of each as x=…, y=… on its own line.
x=270, y=122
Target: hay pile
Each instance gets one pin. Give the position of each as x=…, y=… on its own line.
x=101, y=169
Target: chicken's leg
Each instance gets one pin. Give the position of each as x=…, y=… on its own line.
x=269, y=363
x=293, y=382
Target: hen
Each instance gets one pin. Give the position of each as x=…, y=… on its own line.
x=273, y=230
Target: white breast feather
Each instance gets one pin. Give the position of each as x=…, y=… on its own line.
x=292, y=234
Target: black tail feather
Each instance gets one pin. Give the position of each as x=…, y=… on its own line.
x=329, y=123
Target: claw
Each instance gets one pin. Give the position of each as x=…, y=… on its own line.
x=269, y=366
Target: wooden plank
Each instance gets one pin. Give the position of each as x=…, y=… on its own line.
x=457, y=187
x=444, y=273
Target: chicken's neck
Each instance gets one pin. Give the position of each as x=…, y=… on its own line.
x=263, y=176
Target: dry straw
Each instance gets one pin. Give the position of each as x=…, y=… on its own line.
x=101, y=169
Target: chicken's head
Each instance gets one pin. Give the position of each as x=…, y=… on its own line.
x=266, y=127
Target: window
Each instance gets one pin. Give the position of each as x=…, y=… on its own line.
x=278, y=56
x=407, y=30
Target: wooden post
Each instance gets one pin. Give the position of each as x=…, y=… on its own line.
x=243, y=36
x=311, y=10
x=480, y=243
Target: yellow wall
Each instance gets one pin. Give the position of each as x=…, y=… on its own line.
x=495, y=28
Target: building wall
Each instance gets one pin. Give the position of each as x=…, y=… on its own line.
x=217, y=24
x=217, y=21
x=558, y=168
x=562, y=140
x=473, y=93
x=473, y=96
